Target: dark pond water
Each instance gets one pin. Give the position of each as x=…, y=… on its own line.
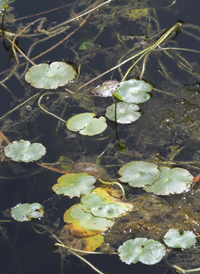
x=168, y=128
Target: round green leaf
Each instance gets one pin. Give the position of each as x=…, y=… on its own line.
x=87, y=124
x=26, y=212
x=106, y=89
x=94, y=204
x=176, y=240
x=57, y=74
x=74, y=184
x=126, y=113
x=87, y=220
x=172, y=181
x=146, y=251
x=133, y=91
x=2, y=4
x=139, y=174
x=24, y=151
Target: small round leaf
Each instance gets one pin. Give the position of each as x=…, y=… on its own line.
x=134, y=91
x=126, y=113
x=74, y=184
x=87, y=124
x=146, y=251
x=176, y=240
x=26, y=212
x=171, y=181
x=24, y=151
x=52, y=76
x=139, y=174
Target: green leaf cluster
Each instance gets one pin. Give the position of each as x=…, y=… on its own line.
x=160, y=181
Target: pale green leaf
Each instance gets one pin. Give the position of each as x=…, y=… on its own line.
x=52, y=76
x=87, y=124
x=146, y=251
x=126, y=113
x=139, y=174
x=134, y=91
x=174, y=239
x=26, y=212
x=24, y=151
x=74, y=184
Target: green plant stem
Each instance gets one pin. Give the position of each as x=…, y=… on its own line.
x=143, y=52
x=182, y=270
x=114, y=183
x=151, y=48
x=81, y=258
x=39, y=104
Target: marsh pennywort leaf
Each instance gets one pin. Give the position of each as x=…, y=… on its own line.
x=126, y=113
x=146, y=251
x=74, y=184
x=87, y=124
x=139, y=174
x=171, y=181
x=104, y=208
x=134, y=91
x=84, y=221
x=24, y=151
x=106, y=89
x=26, y=212
x=174, y=239
x=52, y=76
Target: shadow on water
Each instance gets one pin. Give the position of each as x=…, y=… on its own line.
x=167, y=132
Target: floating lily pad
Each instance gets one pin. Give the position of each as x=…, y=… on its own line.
x=103, y=207
x=139, y=174
x=26, y=212
x=52, y=76
x=126, y=113
x=106, y=89
x=24, y=151
x=74, y=184
x=146, y=251
x=172, y=181
x=84, y=221
x=133, y=91
x=174, y=239
x=87, y=124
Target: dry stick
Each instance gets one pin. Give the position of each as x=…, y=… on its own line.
x=53, y=168
x=4, y=137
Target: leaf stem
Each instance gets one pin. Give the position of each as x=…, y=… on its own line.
x=114, y=183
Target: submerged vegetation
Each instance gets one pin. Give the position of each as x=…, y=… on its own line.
x=121, y=97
